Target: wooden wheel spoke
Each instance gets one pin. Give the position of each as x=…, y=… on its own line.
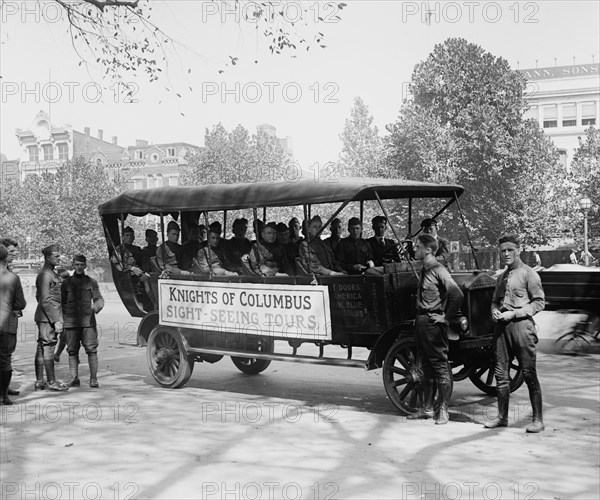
x=400, y=381
x=490, y=377
x=406, y=390
x=399, y=371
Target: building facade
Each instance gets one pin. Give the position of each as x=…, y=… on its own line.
x=565, y=101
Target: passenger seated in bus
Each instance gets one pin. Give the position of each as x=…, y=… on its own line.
x=237, y=246
x=168, y=254
x=294, y=226
x=203, y=233
x=149, y=250
x=382, y=249
x=129, y=258
x=210, y=259
x=190, y=248
x=267, y=256
x=353, y=252
x=315, y=256
x=214, y=226
x=336, y=231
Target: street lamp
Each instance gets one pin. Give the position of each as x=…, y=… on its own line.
x=585, y=204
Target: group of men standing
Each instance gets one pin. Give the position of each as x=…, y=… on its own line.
x=65, y=306
x=517, y=297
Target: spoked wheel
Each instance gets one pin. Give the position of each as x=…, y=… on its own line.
x=403, y=375
x=582, y=336
x=461, y=372
x=170, y=364
x=484, y=379
x=253, y=366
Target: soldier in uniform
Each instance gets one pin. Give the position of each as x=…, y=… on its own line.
x=438, y=300
x=517, y=298
x=442, y=253
x=49, y=319
x=354, y=253
x=12, y=302
x=81, y=300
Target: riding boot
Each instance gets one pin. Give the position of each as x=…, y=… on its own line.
x=426, y=410
x=62, y=343
x=445, y=391
x=5, y=376
x=536, y=403
x=74, y=370
x=502, y=419
x=93, y=362
x=39, y=365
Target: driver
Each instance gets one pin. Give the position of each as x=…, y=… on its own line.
x=383, y=249
x=353, y=252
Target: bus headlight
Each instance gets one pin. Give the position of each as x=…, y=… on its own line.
x=463, y=323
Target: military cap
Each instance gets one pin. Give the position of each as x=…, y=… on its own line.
x=128, y=229
x=80, y=258
x=377, y=219
x=173, y=225
x=50, y=249
x=151, y=232
x=282, y=228
x=354, y=221
x=428, y=222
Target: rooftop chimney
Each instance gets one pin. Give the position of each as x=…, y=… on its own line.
x=114, y=140
x=86, y=130
x=100, y=133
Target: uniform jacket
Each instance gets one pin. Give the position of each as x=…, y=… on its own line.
x=47, y=295
x=11, y=299
x=127, y=256
x=168, y=256
x=319, y=257
x=519, y=289
x=352, y=251
x=81, y=299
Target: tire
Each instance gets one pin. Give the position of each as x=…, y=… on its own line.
x=402, y=376
x=253, y=366
x=169, y=363
x=483, y=378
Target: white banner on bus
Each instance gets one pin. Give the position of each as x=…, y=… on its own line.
x=290, y=311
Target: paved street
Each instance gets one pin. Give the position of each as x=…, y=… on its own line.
x=295, y=431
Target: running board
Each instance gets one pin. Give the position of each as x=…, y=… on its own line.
x=350, y=363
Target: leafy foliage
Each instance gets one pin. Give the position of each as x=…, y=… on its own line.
x=464, y=125
x=122, y=38
x=237, y=156
x=59, y=208
x=362, y=148
x=585, y=180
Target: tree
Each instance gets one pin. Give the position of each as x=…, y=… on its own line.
x=230, y=157
x=585, y=180
x=362, y=147
x=60, y=208
x=122, y=37
x=465, y=125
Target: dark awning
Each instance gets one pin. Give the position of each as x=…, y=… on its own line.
x=212, y=197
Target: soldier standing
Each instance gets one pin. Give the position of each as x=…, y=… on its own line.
x=81, y=300
x=438, y=300
x=12, y=302
x=49, y=319
x=517, y=298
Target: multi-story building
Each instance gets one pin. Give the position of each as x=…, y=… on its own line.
x=46, y=147
x=565, y=101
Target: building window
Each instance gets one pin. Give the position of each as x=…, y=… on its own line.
x=569, y=112
x=588, y=113
x=550, y=117
x=34, y=153
x=99, y=162
x=562, y=157
x=63, y=151
x=172, y=181
x=150, y=181
x=154, y=157
x=171, y=152
x=137, y=183
x=48, y=151
x=139, y=155
x=159, y=180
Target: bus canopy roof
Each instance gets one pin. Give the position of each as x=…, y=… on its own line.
x=213, y=197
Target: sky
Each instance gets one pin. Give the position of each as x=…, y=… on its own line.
x=371, y=53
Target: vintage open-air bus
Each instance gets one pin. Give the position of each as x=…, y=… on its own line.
x=257, y=319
